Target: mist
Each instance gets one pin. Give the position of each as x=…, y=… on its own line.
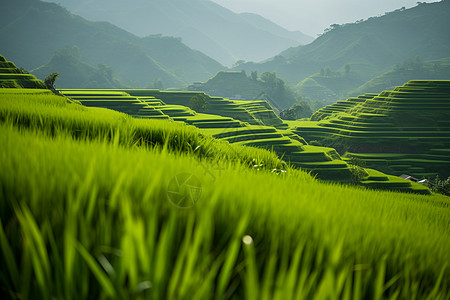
x=312, y=17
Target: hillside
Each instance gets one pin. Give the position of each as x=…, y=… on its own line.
x=76, y=72
x=369, y=47
x=33, y=30
x=237, y=85
x=130, y=194
x=202, y=25
x=328, y=85
x=13, y=77
x=403, y=131
x=96, y=204
x=414, y=68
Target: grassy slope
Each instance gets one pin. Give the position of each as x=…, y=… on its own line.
x=11, y=77
x=436, y=69
x=246, y=123
x=75, y=71
x=407, y=128
x=85, y=215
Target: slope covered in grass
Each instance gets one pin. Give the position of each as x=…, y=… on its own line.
x=246, y=123
x=13, y=77
x=403, y=131
x=85, y=214
x=403, y=72
x=75, y=71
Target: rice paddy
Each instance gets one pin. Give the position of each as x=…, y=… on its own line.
x=404, y=131
x=89, y=210
x=87, y=216
x=246, y=123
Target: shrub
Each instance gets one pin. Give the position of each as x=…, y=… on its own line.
x=50, y=81
x=199, y=103
x=357, y=169
x=441, y=186
x=297, y=111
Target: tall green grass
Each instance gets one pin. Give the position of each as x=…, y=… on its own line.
x=88, y=217
x=55, y=115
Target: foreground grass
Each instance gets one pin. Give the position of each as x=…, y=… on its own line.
x=89, y=217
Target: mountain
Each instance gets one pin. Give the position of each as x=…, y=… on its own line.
x=275, y=29
x=237, y=85
x=76, y=72
x=369, y=47
x=416, y=68
x=31, y=31
x=202, y=24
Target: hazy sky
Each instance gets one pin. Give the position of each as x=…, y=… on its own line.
x=313, y=16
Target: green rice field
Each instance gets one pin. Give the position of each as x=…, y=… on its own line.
x=246, y=123
x=89, y=210
x=131, y=194
x=404, y=131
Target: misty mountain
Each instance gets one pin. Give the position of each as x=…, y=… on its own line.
x=237, y=85
x=76, y=72
x=32, y=31
x=414, y=68
x=202, y=25
x=369, y=47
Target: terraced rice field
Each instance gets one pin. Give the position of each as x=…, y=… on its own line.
x=404, y=131
x=253, y=133
x=248, y=123
x=11, y=77
x=254, y=124
x=85, y=214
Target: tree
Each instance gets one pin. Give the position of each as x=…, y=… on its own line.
x=105, y=71
x=347, y=69
x=299, y=110
x=158, y=84
x=23, y=71
x=254, y=75
x=199, y=103
x=49, y=82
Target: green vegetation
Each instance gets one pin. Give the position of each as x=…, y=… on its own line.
x=76, y=72
x=348, y=55
x=403, y=72
x=199, y=103
x=441, y=186
x=13, y=77
x=403, y=131
x=241, y=122
x=297, y=111
x=85, y=215
x=247, y=123
x=236, y=85
x=37, y=33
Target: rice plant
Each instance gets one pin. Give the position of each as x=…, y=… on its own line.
x=85, y=213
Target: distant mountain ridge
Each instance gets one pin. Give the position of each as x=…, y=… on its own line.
x=31, y=31
x=202, y=24
x=370, y=47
